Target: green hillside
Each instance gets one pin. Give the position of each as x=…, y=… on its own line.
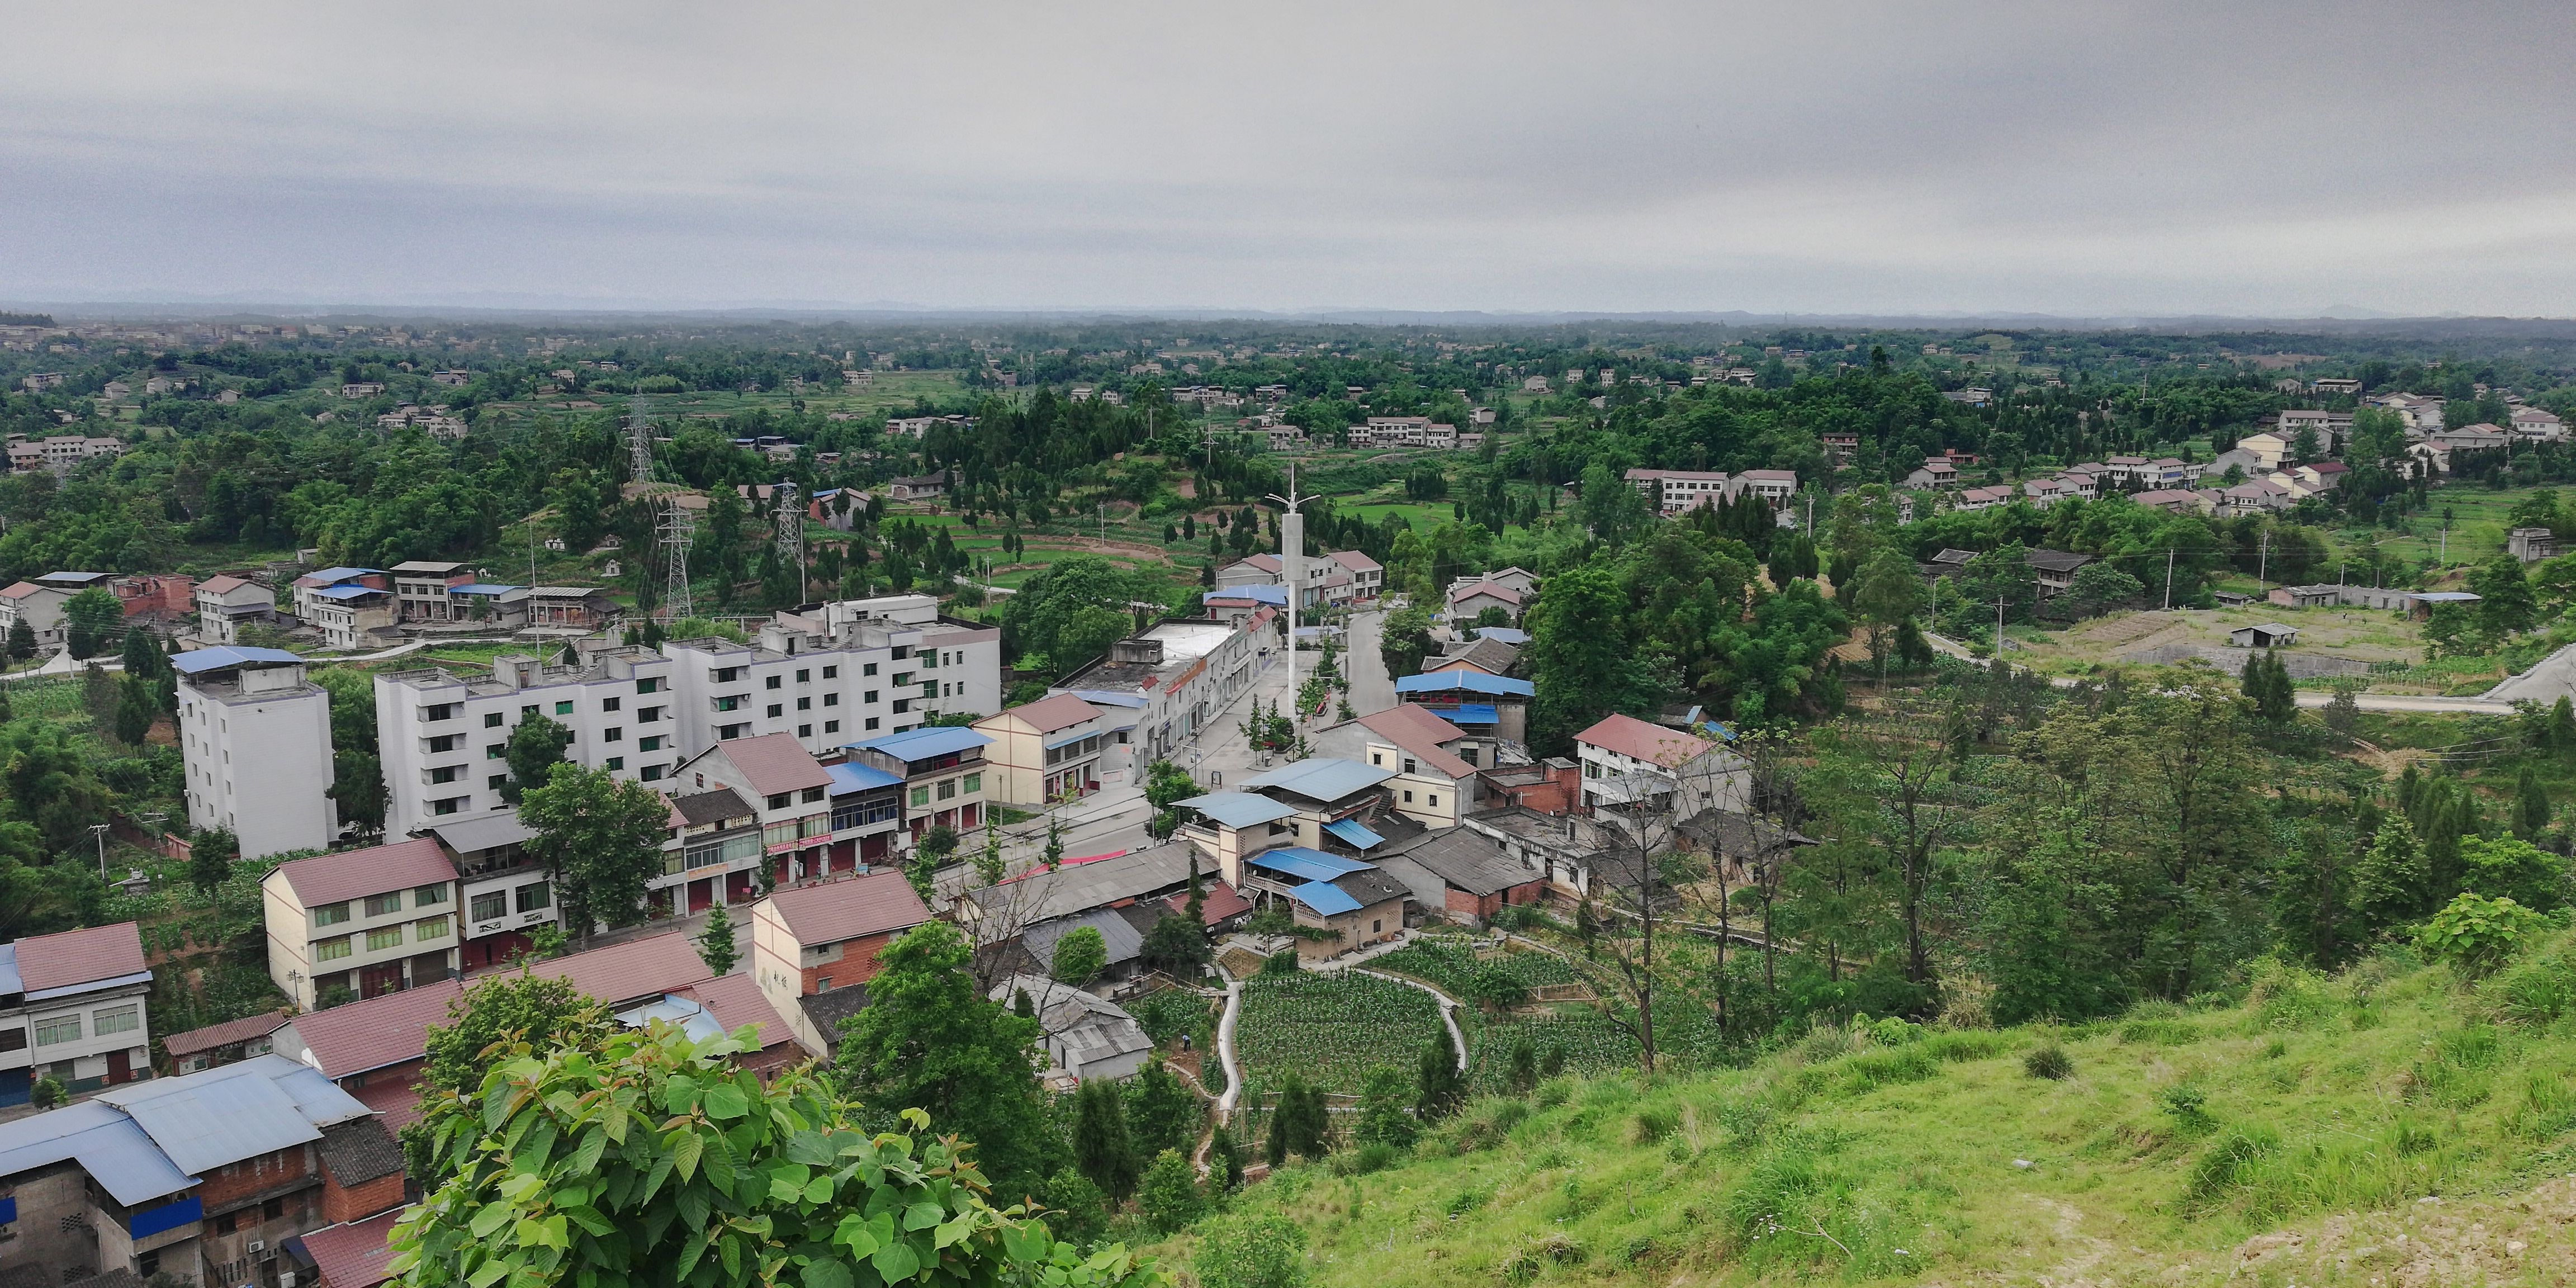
x=2392, y=1125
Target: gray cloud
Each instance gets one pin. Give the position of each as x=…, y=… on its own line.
x=2061, y=157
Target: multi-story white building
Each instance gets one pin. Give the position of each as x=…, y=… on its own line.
x=843, y=673
x=442, y=737
x=255, y=738
x=226, y=604
x=370, y=922
x=71, y=1009
x=1174, y=678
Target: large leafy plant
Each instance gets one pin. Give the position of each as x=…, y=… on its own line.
x=647, y=1158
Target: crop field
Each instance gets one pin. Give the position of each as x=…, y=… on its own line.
x=1332, y=1029
x=1580, y=1037
x=1447, y=962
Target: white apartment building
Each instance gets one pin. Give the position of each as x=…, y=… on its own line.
x=844, y=673
x=1174, y=678
x=371, y=922
x=443, y=737
x=255, y=738
x=72, y=1009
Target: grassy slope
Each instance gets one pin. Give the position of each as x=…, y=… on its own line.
x=2330, y=1111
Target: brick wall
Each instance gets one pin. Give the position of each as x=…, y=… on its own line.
x=344, y=1203
x=233, y=1181
x=857, y=965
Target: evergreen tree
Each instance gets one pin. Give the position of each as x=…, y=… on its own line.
x=535, y=747
x=1102, y=1149
x=2530, y=807
x=1386, y=1098
x=1168, y=1197
x=136, y=708
x=1021, y=1004
x=1162, y=1112
x=1442, y=1087
x=715, y=943
x=210, y=858
x=2389, y=889
x=22, y=640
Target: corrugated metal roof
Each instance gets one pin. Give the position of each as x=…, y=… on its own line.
x=1353, y=833
x=1324, y=898
x=468, y=836
x=1471, y=681
x=108, y=1145
x=348, y=592
x=207, y=659
x=1239, y=809
x=1311, y=865
x=1123, y=939
x=1322, y=778
x=205, y=1121
x=924, y=743
x=858, y=778
x=1475, y=713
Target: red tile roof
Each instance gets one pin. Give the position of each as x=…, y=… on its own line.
x=48, y=962
x=224, y=1034
x=1046, y=715
x=1355, y=561
x=353, y=1255
x=775, y=763
x=1496, y=589
x=1630, y=736
x=639, y=968
x=222, y=584
x=849, y=909
x=736, y=1000
x=336, y=878
x=1218, y=902
x=1420, y=733
x=358, y=1036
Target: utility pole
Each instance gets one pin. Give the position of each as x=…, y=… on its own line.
x=2169, y=566
x=99, y=831
x=2262, y=560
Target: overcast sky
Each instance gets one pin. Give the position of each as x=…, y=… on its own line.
x=2100, y=159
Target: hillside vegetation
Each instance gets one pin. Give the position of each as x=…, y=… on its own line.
x=2395, y=1124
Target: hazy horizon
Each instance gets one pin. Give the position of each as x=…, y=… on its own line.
x=2140, y=161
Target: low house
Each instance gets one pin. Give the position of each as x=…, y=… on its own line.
x=920, y=487
x=1983, y=498
x=1329, y=796
x=1229, y=826
x=1368, y=576
x=1491, y=656
x=2422, y=603
x=1468, y=600
x=1627, y=761
x=73, y=1008
x=815, y=940
x=943, y=771
x=2263, y=635
x=2172, y=500
x=724, y=1005
x=225, y=604
x=579, y=608
x=356, y=1254
x=1435, y=762
x=2306, y=596
x=227, y=1043
x=39, y=603
x=1472, y=700
x=1934, y=472
x=1085, y=1036
x=1355, y=904
x=2055, y=569
x=1470, y=876
x=2531, y=545
x=1047, y=751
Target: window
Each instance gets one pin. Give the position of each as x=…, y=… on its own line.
x=653, y=743
x=525, y=712
x=902, y=651
x=449, y=805
x=117, y=1019
x=380, y=904
x=496, y=751
x=726, y=733
x=446, y=773
x=930, y=688
x=431, y=928
x=902, y=679
x=1377, y=759
x=920, y=795
x=533, y=896
x=64, y=1028
x=491, y=719
x=930, y=660
x=831, y=699
x=1435, y=800
x=778, y=833
x=332, y=949
x=497, y=781
x=488, y=907
x=647, y=715
x=831, y=726
x=613, y=735
x=388, y=937
x=272, y=1210
x=1591, y=769
x=1408, y=796
x=439, y=711
x=727, y=674
x=614, y=763
x=225, y=1224
x=804, y=704
x=445, y=742
x=1467, y=754
x=774, y=682
x=947, y=789
x=872, y=724
x=331, y=914
x=649, y=684
x=428, y=896
x=610, y=704
x=563, y=708
x=13, y=1039
x=778, y=801
x=775, y=710
x=652, y=773
x=902, y=705
x=729, y=702
x=1377, y=924
x=811, y=795
x=1408, y=764
x=804, y=731
x=867, y=669
x=871, y=696
x=974, y=782
x=831, y=673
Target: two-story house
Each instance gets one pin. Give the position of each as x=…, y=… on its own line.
x=225, y=604
x=1628, y=762
x=1045, y=752
x=1435, y=762
x=822, y=941
x=790, y=791
x=713, y=855
x=362, y=923
x=422, y=586
x=72, y=1009
x=505, y=895
x=943, y=775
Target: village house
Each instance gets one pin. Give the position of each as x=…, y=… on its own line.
x=362, y=923
x=1045, y=752
x=73, y=1008
x=1627, y=761
x=813, y=941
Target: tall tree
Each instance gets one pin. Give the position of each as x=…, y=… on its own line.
x=535, y=747
x=600, y=839
x=1103, y=1149
x=715, y=943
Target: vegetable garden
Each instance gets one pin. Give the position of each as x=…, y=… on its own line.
x=1332, y=1029
x=1449, y=962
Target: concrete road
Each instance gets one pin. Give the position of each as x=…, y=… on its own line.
x=1372, y=690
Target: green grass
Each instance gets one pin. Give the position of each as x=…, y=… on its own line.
x=2327, y=1107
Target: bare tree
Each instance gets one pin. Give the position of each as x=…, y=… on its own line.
x=1644, y=870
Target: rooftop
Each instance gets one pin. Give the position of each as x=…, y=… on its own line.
x=225, y=1034
x=1629, y=736
x=197, y=661
x=1239, y=809
x=337, y=878
x=851, y=908
x=1420, y=733
x=775, y=763
x=923, y=743
x=1465, y=681
x=43, y=964
x=484, y=832
x=1040, y=895
x=1046, y=715
x=699, y=809
x=354, y=1255
x=1322, y=778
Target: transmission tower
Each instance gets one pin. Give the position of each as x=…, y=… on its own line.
x=639, y=443
x=790, y=518
x=675, y=529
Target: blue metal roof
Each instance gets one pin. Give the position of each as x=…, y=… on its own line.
x=1322, y=778
x=1273, y=595
x=347, y=592
x=1503, y=634
x=1311, y=865
x=1355, y=835
x=106, y=1144
x=858, y=778
x=926, y=742
x=1239, y=809
x=223, y=655
x=76, y=576
x=1470, y=681
x=343, y=574
x=1470, y=713
x=259, y=1107
x=692, y=1018
x=2446, y=597
x=1324, y=898
x=1105, y=698
x=481, y=588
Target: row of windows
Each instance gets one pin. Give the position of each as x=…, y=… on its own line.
x=381, y=905
x=1075, y=750
x=949, y=788
x=804, y=675
x=104, y=1022
x=493, y=904
x=380, y=939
